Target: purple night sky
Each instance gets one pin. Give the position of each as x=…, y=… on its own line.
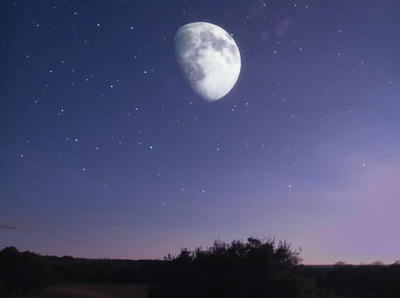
x=105, y=151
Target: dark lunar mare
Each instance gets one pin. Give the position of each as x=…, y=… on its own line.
x=184, y=44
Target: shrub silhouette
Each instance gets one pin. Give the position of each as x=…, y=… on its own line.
x=24, y=271
x=252, y=269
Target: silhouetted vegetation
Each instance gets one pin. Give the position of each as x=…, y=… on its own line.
x=104, y=270
x=26, y=274
x=375, y=280
x=238, y=269
x=23, y=272
x=252, y=269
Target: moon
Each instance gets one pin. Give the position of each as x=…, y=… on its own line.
x=208, y=58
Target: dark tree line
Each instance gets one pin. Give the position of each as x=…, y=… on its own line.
x=105, y=270
x=26, y=274
x=248, y=269
x=375, y=280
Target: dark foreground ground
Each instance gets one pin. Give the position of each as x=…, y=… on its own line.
x=96, y=291
x=83, y=290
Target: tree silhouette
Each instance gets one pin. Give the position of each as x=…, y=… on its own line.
x=255, y=268
x=24, y=271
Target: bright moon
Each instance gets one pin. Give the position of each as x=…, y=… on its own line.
x=209, y=59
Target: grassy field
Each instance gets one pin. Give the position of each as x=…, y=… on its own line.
x=96, y=291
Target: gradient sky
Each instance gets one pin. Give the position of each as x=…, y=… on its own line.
x=106, y=152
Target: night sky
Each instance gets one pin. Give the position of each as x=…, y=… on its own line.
x=106, y=152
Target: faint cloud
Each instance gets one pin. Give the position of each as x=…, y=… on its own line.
x=24, y=161
x=259, y=12
x=6, y=226
x=265, y=35
x=283, y=26
x=257, y=8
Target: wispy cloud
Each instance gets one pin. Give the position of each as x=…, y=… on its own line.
x=6, y=226
x=23, y=161
x=257, y=8
x=283, y=26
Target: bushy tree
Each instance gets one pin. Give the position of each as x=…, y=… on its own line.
x=24, y=271
x=256, y=268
